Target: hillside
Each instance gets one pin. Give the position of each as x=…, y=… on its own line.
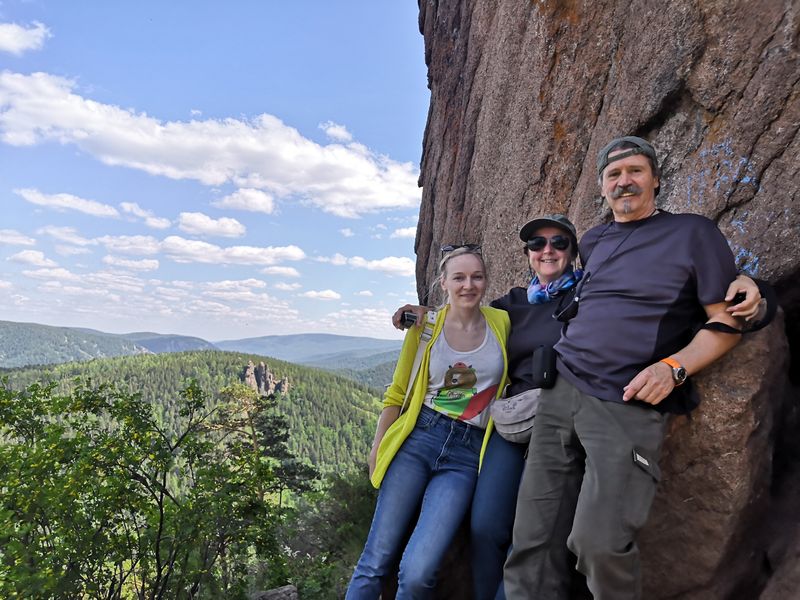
x=331, y=418
x=31, y=344
x=159, y=343
x=377, y=376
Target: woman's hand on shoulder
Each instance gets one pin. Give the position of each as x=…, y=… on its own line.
x=748, y=307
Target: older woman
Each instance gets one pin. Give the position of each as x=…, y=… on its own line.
x=551, y=247
x=425, y=458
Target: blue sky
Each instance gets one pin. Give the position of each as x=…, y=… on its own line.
x=219, y=169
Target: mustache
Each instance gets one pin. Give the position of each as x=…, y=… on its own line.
x=631, y=188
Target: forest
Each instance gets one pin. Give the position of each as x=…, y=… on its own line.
x=164, y=477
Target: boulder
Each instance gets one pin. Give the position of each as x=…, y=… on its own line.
x=523, y=95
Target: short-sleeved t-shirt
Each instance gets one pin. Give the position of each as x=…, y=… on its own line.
x=463, y=384
x=647, y=283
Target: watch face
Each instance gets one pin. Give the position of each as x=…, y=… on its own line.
x=679, y=374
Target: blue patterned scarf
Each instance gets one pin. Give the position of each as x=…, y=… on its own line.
x=539, y=294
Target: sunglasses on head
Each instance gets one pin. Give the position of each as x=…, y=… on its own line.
x=557, y=242
x=476, y=248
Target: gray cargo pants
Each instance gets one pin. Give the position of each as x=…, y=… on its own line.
x=589, y=480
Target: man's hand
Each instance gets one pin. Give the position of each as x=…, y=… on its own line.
x=650, y=385
x=749, y=307
x=419, y=311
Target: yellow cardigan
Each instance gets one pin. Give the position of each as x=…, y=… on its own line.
x=498, y=322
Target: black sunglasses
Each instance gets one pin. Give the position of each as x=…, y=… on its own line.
x=475, y=248
x=557, y=242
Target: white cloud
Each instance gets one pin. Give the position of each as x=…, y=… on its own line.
x=365, y=293
x=336, y=131
x=236, y=285
x=141, y=245
x=193, y=251
x=366, y=321
x=200, y=224
x=391, y=265
x=287, y=287
x=71, y=250
x=63, y=202
x=337, y=259
x=146, y=264
x=147, y=216
x=15, y=238
x=49, y=274
x=33, y=258
x=281, y=271
x=262, y=152
x=404, y=232
x=322, y=295
x=5, y=285
x=65, y=234
x=17, y=39
x=347, y=232
x=114, y=280
x=247, y=199
x=195, y=112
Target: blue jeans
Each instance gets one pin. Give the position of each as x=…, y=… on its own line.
x=434, y=472
x=492, y=519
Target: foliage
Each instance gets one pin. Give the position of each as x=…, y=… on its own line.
x=325, y=534
x=99, y=499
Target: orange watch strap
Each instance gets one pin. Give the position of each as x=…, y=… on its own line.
x=672, y=362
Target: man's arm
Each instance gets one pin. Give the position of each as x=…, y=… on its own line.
x=655, y=382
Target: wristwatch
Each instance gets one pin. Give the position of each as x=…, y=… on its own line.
x=678, y=372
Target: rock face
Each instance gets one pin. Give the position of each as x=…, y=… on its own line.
x=261, y=379
x=523, y=95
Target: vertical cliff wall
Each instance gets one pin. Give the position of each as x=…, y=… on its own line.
x=523, y=95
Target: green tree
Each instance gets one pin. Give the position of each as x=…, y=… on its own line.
x=99, y=499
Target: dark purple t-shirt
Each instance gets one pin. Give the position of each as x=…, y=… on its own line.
x=648, y=283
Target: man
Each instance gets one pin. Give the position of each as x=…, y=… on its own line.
x=624, y=361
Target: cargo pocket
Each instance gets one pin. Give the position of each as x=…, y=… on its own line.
x=641, y=489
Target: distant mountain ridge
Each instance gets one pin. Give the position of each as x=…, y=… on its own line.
x=324, y=350
x=23, y=344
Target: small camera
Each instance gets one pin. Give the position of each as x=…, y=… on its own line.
x=408, y=319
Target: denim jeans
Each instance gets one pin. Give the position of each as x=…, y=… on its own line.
x=432, y=475
x=492, y=519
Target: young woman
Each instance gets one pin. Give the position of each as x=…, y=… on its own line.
x=425, y=458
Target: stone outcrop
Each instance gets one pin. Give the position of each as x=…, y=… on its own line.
x=262, y=380
x=287, y=592
x=523, y=95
